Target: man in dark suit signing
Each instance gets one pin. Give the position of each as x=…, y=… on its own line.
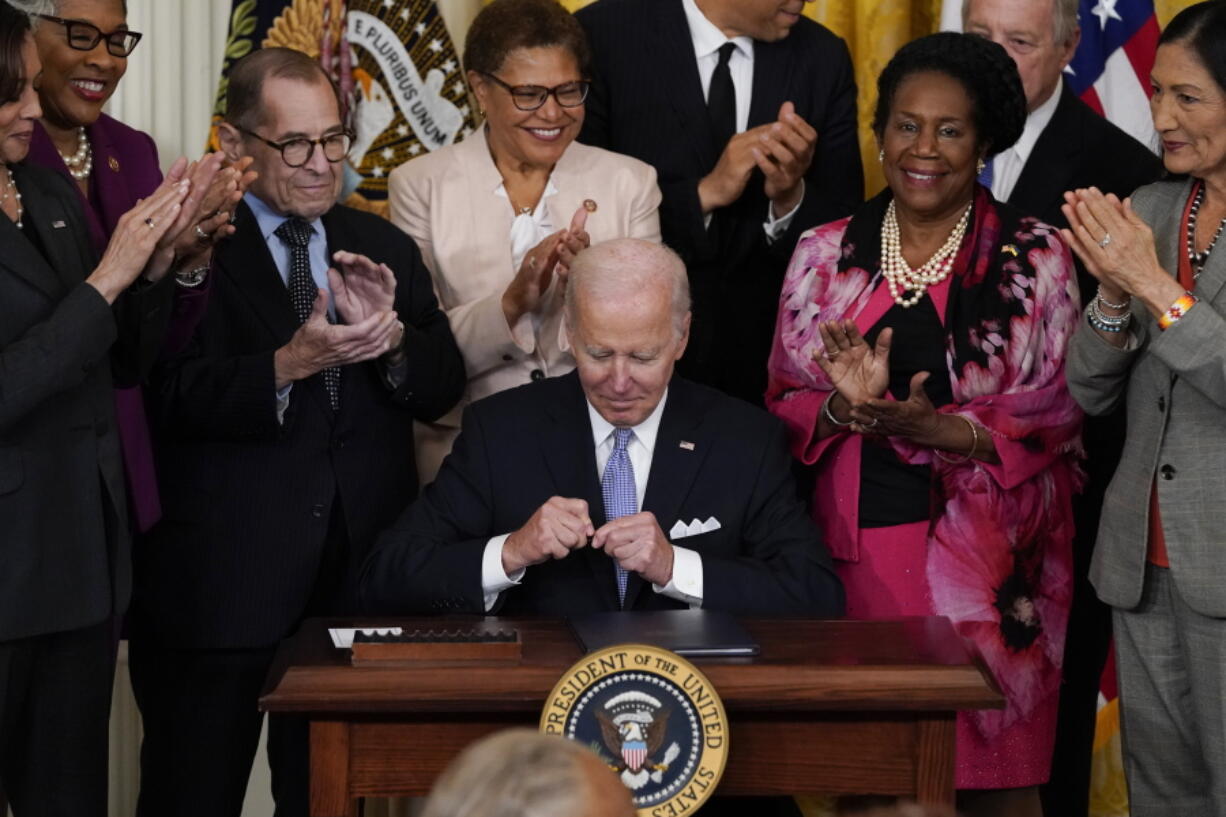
x=618, y=486
x=1064, y=146
x=286, y=443
x=747, y=111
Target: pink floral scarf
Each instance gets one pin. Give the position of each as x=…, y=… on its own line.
x=999, y=543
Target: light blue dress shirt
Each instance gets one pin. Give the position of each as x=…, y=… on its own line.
x=269, y=220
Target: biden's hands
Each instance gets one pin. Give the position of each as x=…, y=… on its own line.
x=637, y=543
x=552, y=532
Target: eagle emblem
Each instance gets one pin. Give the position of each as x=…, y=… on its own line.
x=633, y=726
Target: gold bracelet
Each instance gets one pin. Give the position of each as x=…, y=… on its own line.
x=974, y=444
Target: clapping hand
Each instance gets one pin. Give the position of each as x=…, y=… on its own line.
x=784, y=154
x=573, y=241
x=363, y=288
x=1117, y=248
x=857, y=371
x=914, y=418
x=137, y=234
x=319, y=345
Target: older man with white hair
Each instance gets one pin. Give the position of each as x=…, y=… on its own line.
x=617, y=487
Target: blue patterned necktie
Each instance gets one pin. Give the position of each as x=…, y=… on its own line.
x=296, y=234
x=620, y=497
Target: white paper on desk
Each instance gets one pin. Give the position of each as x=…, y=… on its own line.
x=342, y=637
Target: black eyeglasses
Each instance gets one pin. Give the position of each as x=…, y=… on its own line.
x=531, y=97
x=84, y=36
x=297, y=151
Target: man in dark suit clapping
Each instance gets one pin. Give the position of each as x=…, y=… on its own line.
x=286, y=430
x=747, y=111
x=618, y=486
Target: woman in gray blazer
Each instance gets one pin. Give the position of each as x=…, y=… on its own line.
x=1155, y=337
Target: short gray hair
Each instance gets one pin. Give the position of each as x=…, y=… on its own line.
x=611, y=269
x=33, y=7
x=1063, y=18
x=514, y=773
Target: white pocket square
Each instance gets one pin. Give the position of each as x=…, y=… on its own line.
x=681, y=530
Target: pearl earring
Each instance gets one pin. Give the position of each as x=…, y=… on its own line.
x=881, y=155
x=979, y=166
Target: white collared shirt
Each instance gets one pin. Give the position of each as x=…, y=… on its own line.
x=528, y=230
x=687, y=581
x=707, y=40
x=1007, y=165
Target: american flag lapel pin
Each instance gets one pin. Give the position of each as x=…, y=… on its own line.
x=687, y=445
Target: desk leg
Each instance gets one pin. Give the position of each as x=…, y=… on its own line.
x=330, y=771
x=934, y=772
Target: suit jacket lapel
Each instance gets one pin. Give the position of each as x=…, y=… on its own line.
x=673, y=467
x=61, y=269
x=246, y=260
x=672, y=49
x=113, y=192
x=771, y=81
x=1057, y=147
x=571, y=460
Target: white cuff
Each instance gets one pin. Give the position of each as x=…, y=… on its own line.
x=686, y=584
x=283, y=403
x=776, y=227
x=494, y=579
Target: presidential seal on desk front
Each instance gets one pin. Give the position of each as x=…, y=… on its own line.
x=652, y=717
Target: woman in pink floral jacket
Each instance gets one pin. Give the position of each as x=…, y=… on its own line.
x=919, y=365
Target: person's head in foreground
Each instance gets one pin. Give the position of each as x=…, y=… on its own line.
x=1189, y=92
x=946, y=102
x=522, y=773
x=628, y=320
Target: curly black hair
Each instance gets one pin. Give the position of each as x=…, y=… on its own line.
x=504, y=26
x=985, y=70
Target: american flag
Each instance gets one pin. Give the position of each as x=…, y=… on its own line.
x=1110, y=70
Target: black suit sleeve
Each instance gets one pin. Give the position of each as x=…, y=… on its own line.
x=783, y=567
x=429, y=561
x=434, y=380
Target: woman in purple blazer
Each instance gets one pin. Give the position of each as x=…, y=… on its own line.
x=84, y=48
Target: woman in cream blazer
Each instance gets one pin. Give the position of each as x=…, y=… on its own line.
x=479, y=209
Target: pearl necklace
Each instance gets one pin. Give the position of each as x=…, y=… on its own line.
x=10, y=189
x=1199, y=259
x=898, y=273
x=81, y=163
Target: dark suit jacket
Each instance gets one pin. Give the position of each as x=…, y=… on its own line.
x=64, y=553
x=647, y=102
x=519, y=447
x=247, y=501
x=125, y=170
x=1079, y=148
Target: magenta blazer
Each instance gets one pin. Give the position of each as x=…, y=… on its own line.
x=126, y=169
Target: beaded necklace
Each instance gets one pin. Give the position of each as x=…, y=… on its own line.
x=898, y=273
x=81, y=163
x=10, y=189
x=1199, y=259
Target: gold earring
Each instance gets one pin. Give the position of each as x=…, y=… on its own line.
x=979, y=166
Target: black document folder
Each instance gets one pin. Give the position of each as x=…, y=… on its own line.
x=685, y=632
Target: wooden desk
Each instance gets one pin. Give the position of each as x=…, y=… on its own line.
x=829, y=707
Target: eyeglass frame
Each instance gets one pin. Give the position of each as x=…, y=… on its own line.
x=284, y=143
x=100, y=34
x=511, y=89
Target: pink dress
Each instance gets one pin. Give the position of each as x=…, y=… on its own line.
x=996, y=555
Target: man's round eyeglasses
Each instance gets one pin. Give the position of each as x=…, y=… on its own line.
x=84, y=36
x=297, y=151
x=531, y=97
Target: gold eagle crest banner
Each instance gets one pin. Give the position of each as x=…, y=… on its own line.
x=401, y=83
